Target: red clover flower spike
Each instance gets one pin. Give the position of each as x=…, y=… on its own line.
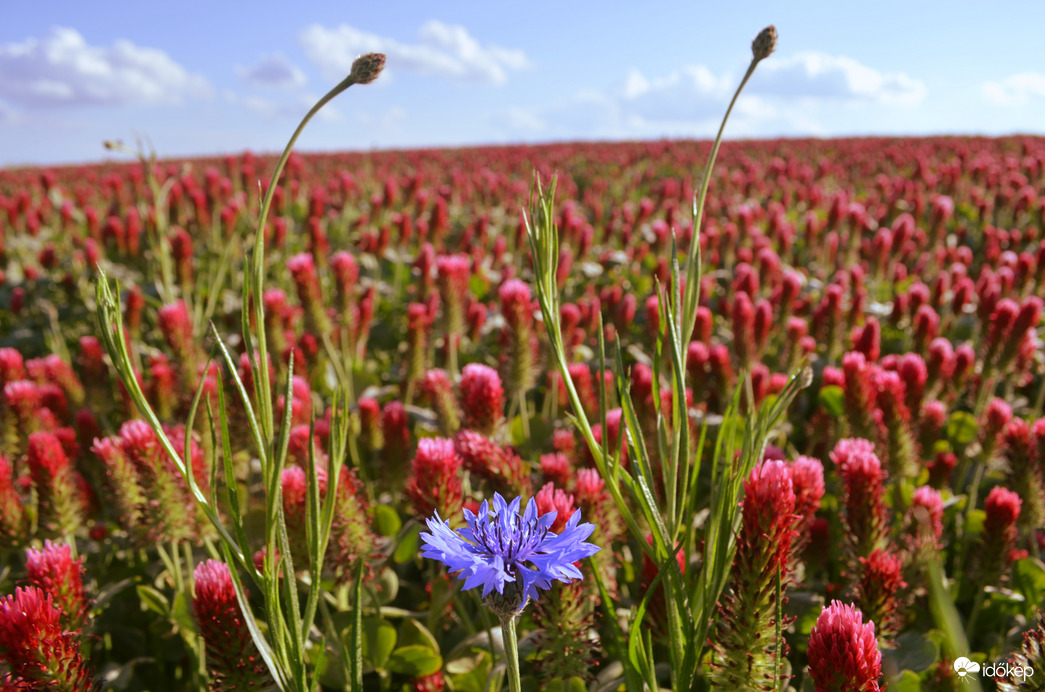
x=511, y=555
x=843, y=651
x=36, y=649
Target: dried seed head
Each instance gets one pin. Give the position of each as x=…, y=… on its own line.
x=764, y=44
x=367, y=67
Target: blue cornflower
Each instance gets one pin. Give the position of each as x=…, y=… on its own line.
x=502, y=547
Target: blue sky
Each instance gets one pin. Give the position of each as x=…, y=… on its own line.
x=211, y=77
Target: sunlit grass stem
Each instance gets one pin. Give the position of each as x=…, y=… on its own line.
x=283, y=646
x=687, y=619
x=364, y=70
x=763, y=45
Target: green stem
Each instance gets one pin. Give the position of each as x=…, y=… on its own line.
x=524, y=415
x=511, y=652
x=945, y=615
x=963, y=538
x=451, y=352
x=689, y=311
x=260, y=367
x=977, y=606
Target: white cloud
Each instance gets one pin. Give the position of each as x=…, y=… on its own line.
x=1016, y=89
x=389, y=120
x=7, y=114
x=687, y=93
x=821, y=76
x=286, y=108
x=61, y=69
x=273, y=71
x=805, y=94
x=444, y=50
x=520, y=120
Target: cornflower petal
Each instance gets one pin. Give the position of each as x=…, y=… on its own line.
x=502, y=546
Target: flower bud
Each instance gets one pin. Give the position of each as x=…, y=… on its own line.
x=764, y=44
x=366, y=68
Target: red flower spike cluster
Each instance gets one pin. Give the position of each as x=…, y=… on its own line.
x=437, y=391
x=499, y=466
x=807, y=481
x=1000, y=532
x=481, y=398
x=909, y=272
x=744, y=656
x=60, y=488
x=518, y=363
x=866, y=515
x=37, y=647
x=11, y=513
x=150, y=493
x=552, y=499
x=233, y=660
x=878, y=589
x=843, y=651
x=435, y=482
x=53, y=570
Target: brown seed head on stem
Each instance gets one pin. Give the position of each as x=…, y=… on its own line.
x=367, y=67
x=764, y=44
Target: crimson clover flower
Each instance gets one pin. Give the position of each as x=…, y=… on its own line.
x=843, y=651
x=502, y=547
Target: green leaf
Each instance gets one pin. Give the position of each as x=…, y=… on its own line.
x=806, y=607
x=120, y=677
x=152, y=599
x=961, y=428
x=386, y=520
x=974, y=523
x=731, y=427
x=832, y=398
x=406, y=551
x=907, y=682
x=470, y=673
x=389, y=586
x=516, y=431
x=416, y=661
x=577, y=685
x=181, y=613
x=478, y=286
x=379, y=639
x=914, y=652
x=413, y=633
x=109, y=592
x=355, y=642
x=1028, y=577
